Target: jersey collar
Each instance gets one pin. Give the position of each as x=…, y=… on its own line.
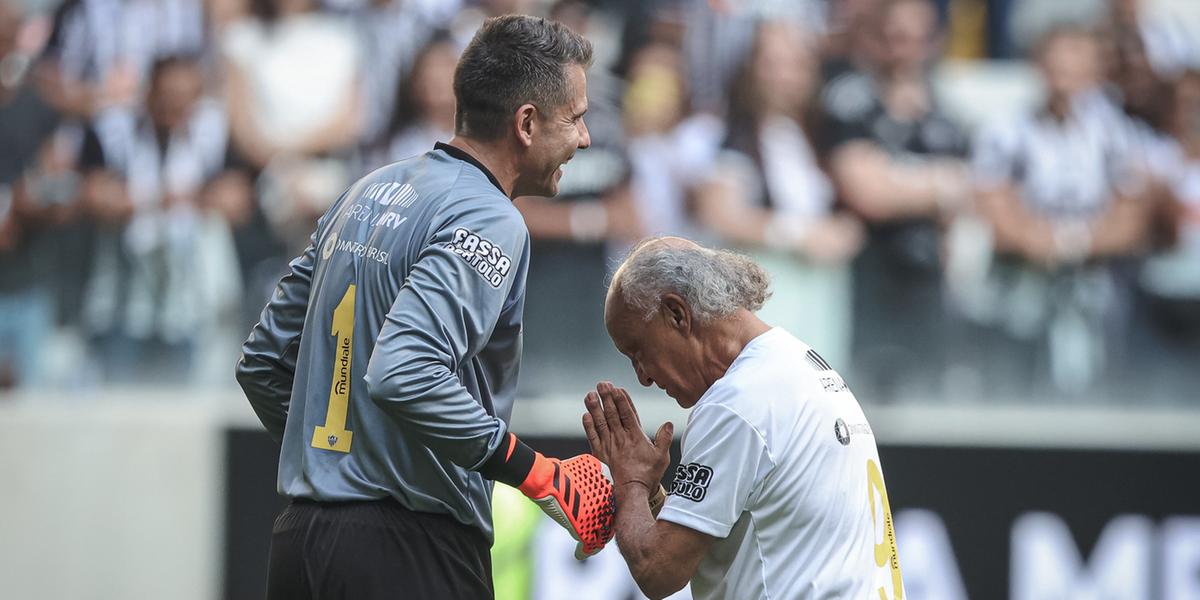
x=462, y=155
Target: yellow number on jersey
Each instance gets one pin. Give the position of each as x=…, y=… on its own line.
x=333, y=435
x=885, y=549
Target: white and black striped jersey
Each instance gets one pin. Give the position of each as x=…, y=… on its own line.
x=1062, y=169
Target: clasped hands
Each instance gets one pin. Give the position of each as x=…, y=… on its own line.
x=614, y=432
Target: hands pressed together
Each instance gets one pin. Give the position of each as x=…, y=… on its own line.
x=614, y=432
x=574, y=492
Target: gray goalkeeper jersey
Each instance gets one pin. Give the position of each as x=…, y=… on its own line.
x=387, y=359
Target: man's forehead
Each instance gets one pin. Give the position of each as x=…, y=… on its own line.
x=612, y=300
x=616, y=312
x=577, y=75
x=577, y=80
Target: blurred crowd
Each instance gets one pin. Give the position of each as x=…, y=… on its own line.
x=162, y=160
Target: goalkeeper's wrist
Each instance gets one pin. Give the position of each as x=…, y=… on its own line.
x=512, y=463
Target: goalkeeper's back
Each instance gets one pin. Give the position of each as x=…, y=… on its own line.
x=387, y=358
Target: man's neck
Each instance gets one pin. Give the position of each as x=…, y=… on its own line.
x=728, y=337
x=496, y=159
x=1059, y=107
x=891, y=75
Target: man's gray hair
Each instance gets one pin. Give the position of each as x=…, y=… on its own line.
x=715, y=283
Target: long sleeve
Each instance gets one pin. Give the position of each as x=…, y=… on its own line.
x=471, y=272
x=268, y=363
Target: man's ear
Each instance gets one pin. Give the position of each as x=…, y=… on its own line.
x=525, y=121
x=675, y=311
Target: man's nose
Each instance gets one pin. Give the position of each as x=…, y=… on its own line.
x=585, y=138
x=643, y=378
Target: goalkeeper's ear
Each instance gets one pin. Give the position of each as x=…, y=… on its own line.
x=511, y=463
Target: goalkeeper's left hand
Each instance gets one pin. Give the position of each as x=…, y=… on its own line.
x=577, y=495
x=574, y=492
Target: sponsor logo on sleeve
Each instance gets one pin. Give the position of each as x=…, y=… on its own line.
x=842, y=431
x=691, y=481
x=483, y=255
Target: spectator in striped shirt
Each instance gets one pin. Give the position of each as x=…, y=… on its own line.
x=1064, y=201
x=162, y=253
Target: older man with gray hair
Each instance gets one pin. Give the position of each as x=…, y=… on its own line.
x=779, y=493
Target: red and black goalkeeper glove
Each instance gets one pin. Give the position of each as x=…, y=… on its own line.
x=574, y=492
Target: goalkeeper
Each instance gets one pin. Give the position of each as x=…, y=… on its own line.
x=386, y=361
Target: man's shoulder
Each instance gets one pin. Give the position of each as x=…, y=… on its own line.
x=774, y=357
x=781, y=376
x=436, y=179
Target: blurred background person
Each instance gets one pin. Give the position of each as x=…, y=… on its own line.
x=27, y=121
x=1143, y=93
x=101, y=52
x=1169, y=44
x=770, y=194
x=393, y=34
x=82, y=70
x=852, y=43
x=717, y=35
x=670, y=149
x=1167, y=336
x=1063, y=198
x=895, y=159
x=470, y=15
x=423, y=111
x=163, y=274
x=293, y=81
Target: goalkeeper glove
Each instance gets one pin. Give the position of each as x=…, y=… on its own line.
x=574, y=492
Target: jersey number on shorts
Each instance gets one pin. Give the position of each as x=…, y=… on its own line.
x=333, y=435
x=885, y=549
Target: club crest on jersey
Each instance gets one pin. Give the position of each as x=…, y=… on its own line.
x=691, y=481
x=484, y=256
x=841, y=431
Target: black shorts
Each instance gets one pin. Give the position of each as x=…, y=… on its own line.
x=376, y=549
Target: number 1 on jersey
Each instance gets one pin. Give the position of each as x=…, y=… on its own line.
x=333, y=435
